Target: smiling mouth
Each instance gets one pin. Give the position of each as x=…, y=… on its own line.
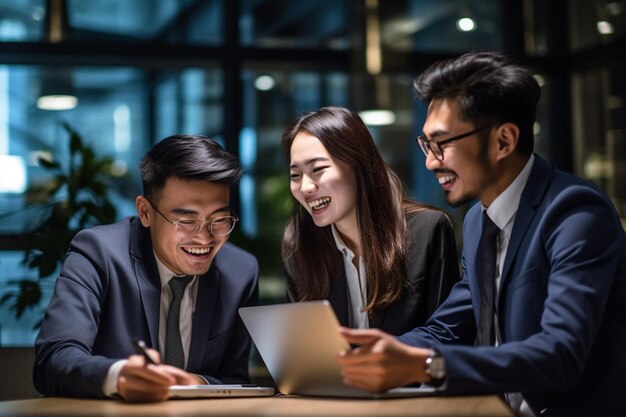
x=446, y=179
x=320, y=203
x=197, y=251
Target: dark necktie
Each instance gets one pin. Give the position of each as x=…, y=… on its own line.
x=488, y=244
x=174, y=353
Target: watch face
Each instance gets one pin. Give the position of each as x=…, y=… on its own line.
x=435, y=366
x=436, y=369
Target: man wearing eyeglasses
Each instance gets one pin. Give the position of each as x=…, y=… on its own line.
x=167, y=277
x=540, y=313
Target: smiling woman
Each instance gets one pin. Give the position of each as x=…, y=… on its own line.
x=354, y=238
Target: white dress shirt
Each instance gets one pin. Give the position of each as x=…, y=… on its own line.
x=502, y=212
x=187, y=310
x=357, y=285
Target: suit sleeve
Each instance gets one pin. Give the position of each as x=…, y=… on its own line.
x=68, y=331
x=576, y=248
x=453, y=322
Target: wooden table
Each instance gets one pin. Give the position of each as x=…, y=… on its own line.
x=264, y=406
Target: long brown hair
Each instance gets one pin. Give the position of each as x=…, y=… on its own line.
x=380, y=210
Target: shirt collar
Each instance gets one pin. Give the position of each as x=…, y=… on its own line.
x=343, y=248
x=504, y=207
x=165, y=275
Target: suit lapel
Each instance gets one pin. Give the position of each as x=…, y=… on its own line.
x=148, y=279
x=206, y=304
x=338, y=298
x=376, y=320
x=471, y=259
x=532, y=196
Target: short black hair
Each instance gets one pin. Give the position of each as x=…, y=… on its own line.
x=490, y=87
x=191, y=157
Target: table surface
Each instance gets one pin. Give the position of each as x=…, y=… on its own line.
x=262, y=406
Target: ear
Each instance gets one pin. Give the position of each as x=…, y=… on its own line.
x=143, y=211
x=507, y=137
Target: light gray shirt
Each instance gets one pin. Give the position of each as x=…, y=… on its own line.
x=357, y=284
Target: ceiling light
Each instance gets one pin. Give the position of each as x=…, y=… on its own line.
x=604, y=27
x=57, y=90
x=466, y=24
x=264, y=83
x=378, y=117
x=57, y=102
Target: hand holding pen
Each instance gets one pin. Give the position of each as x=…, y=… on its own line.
x=142, y=349
x=137, y=381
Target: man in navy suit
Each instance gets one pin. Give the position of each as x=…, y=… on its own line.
x=559, y=316
x=115, y=287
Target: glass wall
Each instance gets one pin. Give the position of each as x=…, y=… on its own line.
x=241, y=71
x=440, y=26
x=596, y=22
x=120, y=112
x=600, y=131
x=597, y=32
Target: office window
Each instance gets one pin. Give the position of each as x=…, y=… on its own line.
x=283, y=23
x=163, y=21
x=120, y=113
x=188, y=102
x=21, y=20
x=600, y=131
x=440, y=25
x=167, y=21
x=273, y=99
x=596, y=22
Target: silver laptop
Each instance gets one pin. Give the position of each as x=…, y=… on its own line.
x=208, y=391
x=299, y=343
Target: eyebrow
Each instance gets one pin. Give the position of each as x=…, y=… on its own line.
x=436, y=134
x=187, y=212
x=311, y=161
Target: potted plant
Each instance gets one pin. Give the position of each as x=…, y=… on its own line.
x=77, y=198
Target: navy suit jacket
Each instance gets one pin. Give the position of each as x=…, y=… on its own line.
x=561, y=306
x=432, y=268
x=109, y=293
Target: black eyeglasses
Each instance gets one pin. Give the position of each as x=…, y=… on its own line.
x=220, y=226
x=426, y=144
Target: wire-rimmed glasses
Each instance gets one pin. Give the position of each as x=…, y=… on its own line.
x=219, y=226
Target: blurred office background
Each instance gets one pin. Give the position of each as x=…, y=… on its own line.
x=240, y=71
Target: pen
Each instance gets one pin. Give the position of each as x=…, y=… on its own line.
x=142, y=349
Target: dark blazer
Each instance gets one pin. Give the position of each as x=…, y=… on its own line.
x=431, y=271
x=109, y=293
x=562, y=304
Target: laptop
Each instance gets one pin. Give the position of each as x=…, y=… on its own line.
x=219, y=391
x=299, y=343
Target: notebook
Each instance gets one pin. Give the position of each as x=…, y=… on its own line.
x=208, y=391
x=299, y=343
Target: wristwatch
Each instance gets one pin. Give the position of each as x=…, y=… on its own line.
x=435, y=368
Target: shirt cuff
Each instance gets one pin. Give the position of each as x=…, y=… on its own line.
x=206, y=381
x=109, y=385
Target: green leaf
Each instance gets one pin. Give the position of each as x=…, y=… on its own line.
x=48, y=164
x=6, y=297
x=81, y=190
x=28, y=297
x=76, y=145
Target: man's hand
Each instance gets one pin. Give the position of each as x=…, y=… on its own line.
x=140, y=381
x=380, y=362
